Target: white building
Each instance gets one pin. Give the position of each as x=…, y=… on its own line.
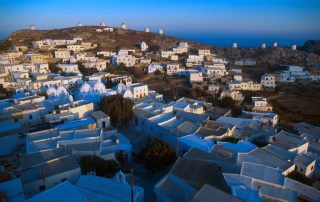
x=68, y=68
x=284, y=77
x=93, y=188
x=127, y=60
x=154, y=67
x=139, y=90
x=263, y=45
x=183, y=44
x=146, y=29
x=106, y=53
x=161, y=31
x=261, y=104
x=234, y=45
x=174, y=57
x=108, y=29
x=234, y=94
x=305, y=165
x=194, y=60
x=237, y=77
x=268, y=80
x=194, y=76
x=244, y=85
x=204, y=52
x=123, y=26
x=172, y=69
x=103, y=24
x=99, y=65
x=43, y=170
x=75, y=48
x=94, y=92
x=294, y=47
x=37, y=44
x=245, y=62
x=145, y=60
x=144, y=46
x=62, y=54
x=180, y=50
x=275, y=44
x=166, y=54
x=32, y=27
x=102, y=119
x=290, y=142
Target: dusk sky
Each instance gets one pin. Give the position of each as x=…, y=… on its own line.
x=293, y=20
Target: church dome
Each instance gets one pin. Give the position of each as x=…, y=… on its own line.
x=62, y=90
x=85, y=88
x=52, y=92
x=99, y=86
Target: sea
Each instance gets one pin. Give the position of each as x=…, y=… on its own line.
x=243, y=40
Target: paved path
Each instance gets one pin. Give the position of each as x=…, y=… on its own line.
x=142, y=176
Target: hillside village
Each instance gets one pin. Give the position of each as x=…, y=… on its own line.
x=66, y=101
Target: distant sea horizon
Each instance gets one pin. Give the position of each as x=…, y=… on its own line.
x=226, y=40
x=245, y=40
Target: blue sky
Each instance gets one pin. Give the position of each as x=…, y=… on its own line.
x=292, y=19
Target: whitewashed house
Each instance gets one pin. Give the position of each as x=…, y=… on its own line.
x=68, y=68
x=143, y=46
x=172, y=69
x=139, y=90
x=268, y=80
x=99, y=65
x=166, y=54
x=155, y=67
x=106, y=53
x=204, y=52
x=127, y=60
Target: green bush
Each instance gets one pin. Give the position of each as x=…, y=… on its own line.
x=300, y=178
x=102, y=168
x=227, y=102
x=118, y=108
x=156, y=155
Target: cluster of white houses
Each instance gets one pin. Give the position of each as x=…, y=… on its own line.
x=54, y=119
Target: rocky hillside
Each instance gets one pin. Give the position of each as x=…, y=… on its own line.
x=306, y=56
x=312, y=46
x=106, y=40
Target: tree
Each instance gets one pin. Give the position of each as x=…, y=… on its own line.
x=236, y=111
x=53, y=68
x=157, y=72
x=86, y=71
x=156, y=155
x=118, y=108
x=295, y=175
x=227, y=102
x=154, y=48
x=102, y=168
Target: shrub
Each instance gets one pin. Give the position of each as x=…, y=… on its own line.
x=156, y=155
x=102, y=168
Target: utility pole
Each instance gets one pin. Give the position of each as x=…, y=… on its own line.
x=177, y=148
x=132, y=192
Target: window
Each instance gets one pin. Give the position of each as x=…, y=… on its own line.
x=301, y=170
x=63, y=179
x=30, y=116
